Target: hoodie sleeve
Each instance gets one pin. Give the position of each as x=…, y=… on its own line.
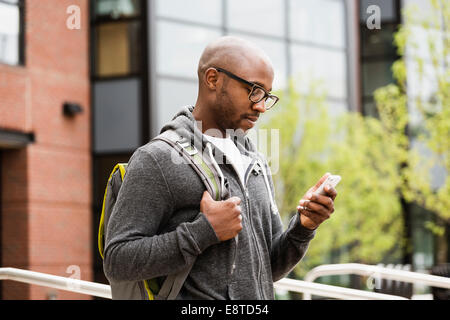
x=133, y=249
x=290, y=246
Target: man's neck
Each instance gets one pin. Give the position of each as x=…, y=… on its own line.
x=208, y=124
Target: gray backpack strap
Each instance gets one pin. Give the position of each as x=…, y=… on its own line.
x=211, y=178
x=173, y=284
x=204, y=164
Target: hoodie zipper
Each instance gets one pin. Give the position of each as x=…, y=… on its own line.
x=253, y=230
x=247, y=203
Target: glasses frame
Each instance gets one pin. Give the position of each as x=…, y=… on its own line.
x=251, y=84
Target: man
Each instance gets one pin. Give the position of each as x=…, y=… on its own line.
x=164, y=220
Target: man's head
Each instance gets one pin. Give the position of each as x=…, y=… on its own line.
x=223, y=95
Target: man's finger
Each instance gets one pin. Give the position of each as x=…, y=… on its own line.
x=235, y=200
x=321, y=180
x=330, y=191
x=326, y=201
x=311, y=215
x=316, y=208
x=207, y=196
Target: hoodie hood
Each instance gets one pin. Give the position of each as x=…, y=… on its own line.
x=187, y=126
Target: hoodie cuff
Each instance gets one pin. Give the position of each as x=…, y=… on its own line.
x=298, y=232
x=202, y=233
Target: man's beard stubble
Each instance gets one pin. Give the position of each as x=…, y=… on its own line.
x=224, y=112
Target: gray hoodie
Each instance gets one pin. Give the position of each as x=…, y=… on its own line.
x=156, y=229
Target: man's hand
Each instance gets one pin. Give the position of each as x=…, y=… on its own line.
x=224, y=216
x=316, y=208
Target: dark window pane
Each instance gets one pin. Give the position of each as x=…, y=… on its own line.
x=118, y=48
x=387, y=8
x=117, y=115
x=116, y=8
x=375, y=75
x=378, y=42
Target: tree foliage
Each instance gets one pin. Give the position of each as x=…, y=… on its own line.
x=375, y=156
x=427, y=59
x=367, y=224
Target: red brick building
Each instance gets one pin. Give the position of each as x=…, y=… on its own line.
x=46, y=185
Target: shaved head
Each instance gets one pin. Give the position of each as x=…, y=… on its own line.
x=228, y=70
x=233, y=54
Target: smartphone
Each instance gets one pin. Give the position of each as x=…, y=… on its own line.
x=332, y=180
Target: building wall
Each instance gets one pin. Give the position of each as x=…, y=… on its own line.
x=46, y=187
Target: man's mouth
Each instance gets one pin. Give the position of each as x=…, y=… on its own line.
x=252, y=118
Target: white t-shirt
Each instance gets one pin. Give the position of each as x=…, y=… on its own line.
x=239, y=161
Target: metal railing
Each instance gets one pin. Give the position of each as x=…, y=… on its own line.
x=376, y=272
x=324, y=290
x=104, y=291
x=57, y=282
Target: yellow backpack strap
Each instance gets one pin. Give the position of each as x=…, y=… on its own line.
x=101, y=228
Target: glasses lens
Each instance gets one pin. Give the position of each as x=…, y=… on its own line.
x=257, y=94
x=270, y=102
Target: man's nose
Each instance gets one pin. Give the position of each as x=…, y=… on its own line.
x=260, y=106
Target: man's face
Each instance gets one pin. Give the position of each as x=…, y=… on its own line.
x=233, y=109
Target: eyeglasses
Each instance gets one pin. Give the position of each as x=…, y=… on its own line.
x=257, y=92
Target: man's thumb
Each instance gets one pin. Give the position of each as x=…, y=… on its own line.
x=207, y=196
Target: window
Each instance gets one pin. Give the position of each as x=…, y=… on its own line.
x=378, y=52
x=119, y=81
x=204, y=11
x=276, y=51
x=256, y=16
x=116, y=8
x=301, y=37
x=119, y=74
x=320, y=22
x=180, y=47
x=118, y=47
x=11, y=32
x=316, y=64
x=169, y=103
x=117, y=111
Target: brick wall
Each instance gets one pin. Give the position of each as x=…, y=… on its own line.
x=46, y=187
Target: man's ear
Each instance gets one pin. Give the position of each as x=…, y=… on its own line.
x=211, y=78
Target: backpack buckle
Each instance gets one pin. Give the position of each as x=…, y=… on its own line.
x=187, y=146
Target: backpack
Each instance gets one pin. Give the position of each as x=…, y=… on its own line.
x=208, y=170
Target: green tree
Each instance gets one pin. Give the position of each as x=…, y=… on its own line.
x=376, y=157
x=367, y=224
x=423, y=43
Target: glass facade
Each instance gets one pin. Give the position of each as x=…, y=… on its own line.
x=304, y=39
x=11, y=32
